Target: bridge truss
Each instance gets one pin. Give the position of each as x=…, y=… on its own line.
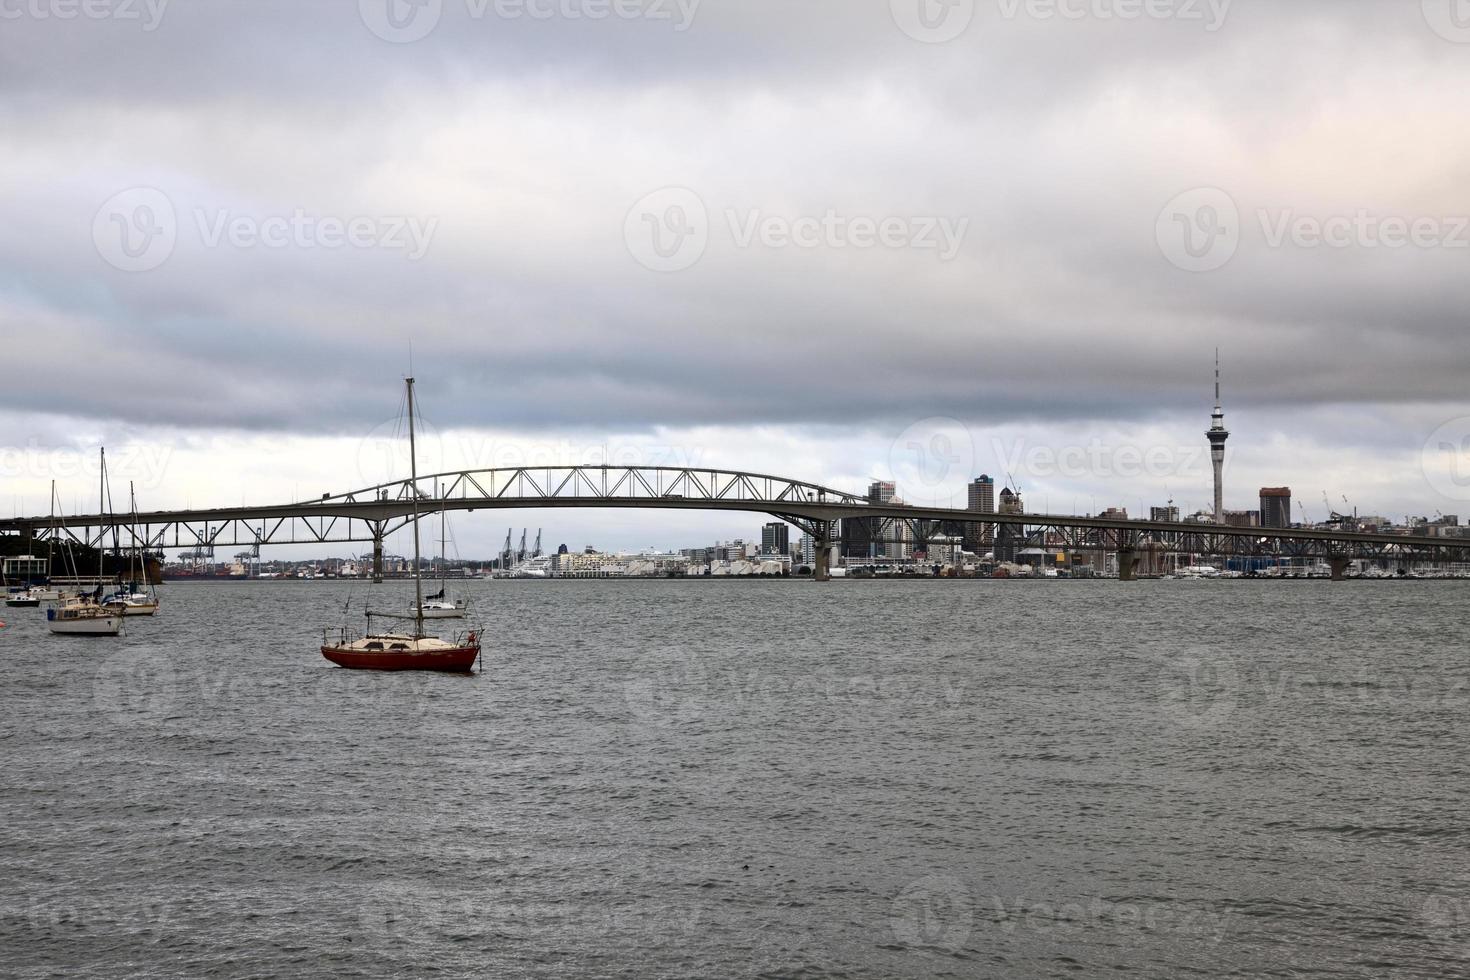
x=373, y=513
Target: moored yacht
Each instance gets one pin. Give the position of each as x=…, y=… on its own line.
x=81, y=616
x=405, y=651
x=131, y=603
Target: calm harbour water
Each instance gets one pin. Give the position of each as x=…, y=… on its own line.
x=740, y=778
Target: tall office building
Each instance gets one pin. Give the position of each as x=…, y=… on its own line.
x=1008, y=537
x=1276, y=506
x=1217, y=436
x=775, y=538
x=979, y=537
x=1169, y=514
x=874, y=537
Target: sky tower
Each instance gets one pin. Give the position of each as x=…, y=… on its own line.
x=1217, y=436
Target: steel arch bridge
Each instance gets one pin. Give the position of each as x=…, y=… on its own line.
x=372, y=513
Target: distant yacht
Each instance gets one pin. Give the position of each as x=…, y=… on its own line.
x=84, y=615
x=437, y=606
x=134, y=601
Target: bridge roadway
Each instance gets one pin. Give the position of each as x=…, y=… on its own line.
x=369, y=515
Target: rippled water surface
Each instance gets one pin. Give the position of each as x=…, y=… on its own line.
x=696, y=778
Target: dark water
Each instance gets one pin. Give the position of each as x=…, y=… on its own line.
x=751, y=778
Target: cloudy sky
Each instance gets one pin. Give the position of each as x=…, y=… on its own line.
x=833, y=239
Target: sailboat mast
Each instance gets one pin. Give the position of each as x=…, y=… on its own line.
x=413, y=469
x=51, y=538
x=101, y=505
x=443, y=546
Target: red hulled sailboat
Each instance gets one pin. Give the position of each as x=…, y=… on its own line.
x=405, y=650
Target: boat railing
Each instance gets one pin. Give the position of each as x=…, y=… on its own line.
x=339, y=636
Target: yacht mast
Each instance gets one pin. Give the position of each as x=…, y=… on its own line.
x=101, y=509
x=413, y=469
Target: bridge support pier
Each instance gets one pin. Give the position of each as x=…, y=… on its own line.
x=1127, y=564
x=822, y=561
x=1339, y=568
x=377, y=557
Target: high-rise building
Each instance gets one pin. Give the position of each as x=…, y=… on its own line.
x=979, y=537
x=1276, y=506
x=1009, y=536
x=1168, y=514
x=808, y=549
x=872, y=537
x=1217, y=436
x=775, y=538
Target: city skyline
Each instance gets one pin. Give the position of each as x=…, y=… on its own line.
x=1094, y=471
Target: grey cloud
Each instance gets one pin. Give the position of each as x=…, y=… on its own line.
x=528, y=142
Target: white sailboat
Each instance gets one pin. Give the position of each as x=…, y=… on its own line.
x=437, y=606
x=83, y=615
x=132, y=601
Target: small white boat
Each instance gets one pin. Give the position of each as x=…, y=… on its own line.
x=18, y=599
x=131, y=603
x=438, y=605
x=443, y=609
x=82, y=617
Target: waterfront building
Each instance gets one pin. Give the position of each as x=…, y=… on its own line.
x=776, y=538
x=981, y=497
x=1276, y=507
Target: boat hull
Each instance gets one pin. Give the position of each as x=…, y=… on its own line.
x=132, y=609
x=23, y=601
x=460, y=660
x=109, y=625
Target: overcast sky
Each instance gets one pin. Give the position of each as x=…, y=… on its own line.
x=832, y=239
